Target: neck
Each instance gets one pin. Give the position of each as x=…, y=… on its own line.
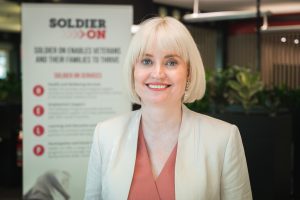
x=161, y=120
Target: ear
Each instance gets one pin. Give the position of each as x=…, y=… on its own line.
x=188, y=73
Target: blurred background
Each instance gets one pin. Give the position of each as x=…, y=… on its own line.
x=251, y=53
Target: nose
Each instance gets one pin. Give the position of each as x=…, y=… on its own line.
x=158, y=71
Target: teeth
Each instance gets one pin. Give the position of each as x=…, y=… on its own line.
x=157, y=86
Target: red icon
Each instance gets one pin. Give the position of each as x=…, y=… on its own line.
x=38, y=90
x=38, y=130
x=38, y=110
x=38, y=150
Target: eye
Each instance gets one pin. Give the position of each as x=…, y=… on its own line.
x=171, y=63
x=147, y=61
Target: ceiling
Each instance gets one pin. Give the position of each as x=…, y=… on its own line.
x=275, y=6
x=10, y=11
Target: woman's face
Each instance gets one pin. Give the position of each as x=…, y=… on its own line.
x=160, y=77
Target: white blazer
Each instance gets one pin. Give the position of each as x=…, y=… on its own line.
x=210, y=161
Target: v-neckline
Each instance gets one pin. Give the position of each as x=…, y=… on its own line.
x=167, y=162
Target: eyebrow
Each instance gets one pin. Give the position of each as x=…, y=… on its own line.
x=171, y=55
x=166, y=56
x=148, y=55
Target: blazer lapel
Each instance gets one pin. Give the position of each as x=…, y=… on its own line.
x=123, y=168
x=190, y=178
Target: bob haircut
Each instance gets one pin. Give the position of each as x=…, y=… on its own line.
x=174, y=36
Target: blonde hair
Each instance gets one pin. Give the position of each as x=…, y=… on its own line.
x=174, y=36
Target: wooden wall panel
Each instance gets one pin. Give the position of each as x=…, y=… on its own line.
x=206, y=40
x=280, y=61
x=241, y=50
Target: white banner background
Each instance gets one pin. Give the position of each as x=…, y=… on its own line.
x=72, y=79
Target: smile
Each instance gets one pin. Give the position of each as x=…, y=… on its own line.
x=158, y=86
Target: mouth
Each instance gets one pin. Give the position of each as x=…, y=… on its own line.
x=157, y=86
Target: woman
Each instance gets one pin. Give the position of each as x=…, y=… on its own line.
x=164, y=150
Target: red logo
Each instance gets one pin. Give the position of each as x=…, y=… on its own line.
x=91, y=34
x=38, y=110
x=38, y=150
x=38, y=90
x=80, y=28
x=38, y=130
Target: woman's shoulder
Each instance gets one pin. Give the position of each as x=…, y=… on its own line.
x=206, y=120
x=114, y=133
x=119, y=121
x=117, y=125
x=210, y=128
x=211, y=132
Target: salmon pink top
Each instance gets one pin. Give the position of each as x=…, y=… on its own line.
x=143, y=185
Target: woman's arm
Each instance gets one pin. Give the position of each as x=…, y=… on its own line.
x=235, y=184
x=93, y=181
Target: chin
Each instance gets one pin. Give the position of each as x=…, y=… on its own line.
x=160, y=101
x=154, y=101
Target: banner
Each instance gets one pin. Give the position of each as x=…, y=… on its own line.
x=72, y=57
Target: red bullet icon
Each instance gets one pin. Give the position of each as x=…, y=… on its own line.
x=38, y=150
x=38, y=90
x=38, y=110
x=38, y=130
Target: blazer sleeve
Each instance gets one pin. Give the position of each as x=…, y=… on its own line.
x=93, y=181
x=235, y=184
